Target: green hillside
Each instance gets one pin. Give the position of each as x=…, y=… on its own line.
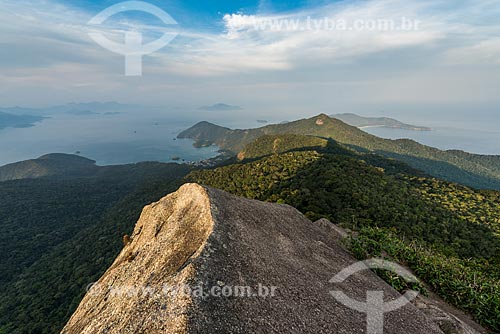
x=273, y=144
x=352, y=191
x=473, y=170
x=56, y=164
x=62, y=234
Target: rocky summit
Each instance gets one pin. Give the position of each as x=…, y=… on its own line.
x=203, y=261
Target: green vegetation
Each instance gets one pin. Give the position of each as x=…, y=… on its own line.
x=61, y=235
x=63, y=229
x=202, y=143
x=455, y=226
x=479, y=207
x=62, y=165
x=273, y=144
x=352, y=193
x=462, y=282
x=469, y=169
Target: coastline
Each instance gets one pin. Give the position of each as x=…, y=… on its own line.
x=395, y=127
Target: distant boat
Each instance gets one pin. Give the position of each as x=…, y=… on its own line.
x=175, y=158
x=262, y=121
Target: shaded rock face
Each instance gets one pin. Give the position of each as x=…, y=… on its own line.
x=449, y=320
x=130, y=296
x=211, y=241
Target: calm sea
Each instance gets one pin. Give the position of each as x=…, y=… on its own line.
x=135, y=137
x=108, y=139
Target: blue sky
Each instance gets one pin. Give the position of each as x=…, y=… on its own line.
x=200, y=14
x=278, y=55
x=209, y=8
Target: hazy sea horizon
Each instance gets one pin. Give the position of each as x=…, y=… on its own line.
x=135, y=137
x=107, y=139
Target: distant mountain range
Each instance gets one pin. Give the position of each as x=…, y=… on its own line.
x=474, y=170
x=361, y=121
x=74, y=108
x=220, y=107
x=19, y=117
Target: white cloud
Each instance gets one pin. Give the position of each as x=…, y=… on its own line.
x=44, y=47
x=300, y=40
x=480, y=53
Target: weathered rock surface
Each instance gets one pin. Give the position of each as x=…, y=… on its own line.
x=202, y=237
x=449, y=319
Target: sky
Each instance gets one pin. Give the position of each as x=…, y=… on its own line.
x=421, y=57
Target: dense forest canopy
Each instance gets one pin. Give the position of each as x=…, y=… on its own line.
x=62, y=234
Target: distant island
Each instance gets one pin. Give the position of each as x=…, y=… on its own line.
x=78, y=112
x=362, y=122
x=220, y=107
x=18, y=121
x=105, y=108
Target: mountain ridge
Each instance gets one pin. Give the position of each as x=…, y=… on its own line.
x=448, y=233
x=230, y=242
x=71, y=107
x=457, y=166
x=53, y=164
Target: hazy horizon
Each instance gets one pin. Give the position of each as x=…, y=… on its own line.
x=120, y=134
x=430, y=63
